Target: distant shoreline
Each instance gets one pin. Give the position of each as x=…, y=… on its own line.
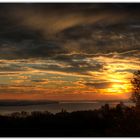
x=25, y=102
x=45, y=102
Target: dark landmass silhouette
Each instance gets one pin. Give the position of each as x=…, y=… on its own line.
x=25, y=102
x=43, y=102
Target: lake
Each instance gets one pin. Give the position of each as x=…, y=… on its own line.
x=57, y=107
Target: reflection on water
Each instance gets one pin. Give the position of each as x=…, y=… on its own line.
x=54, y=108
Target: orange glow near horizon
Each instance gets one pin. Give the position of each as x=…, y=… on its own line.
x=60, y=86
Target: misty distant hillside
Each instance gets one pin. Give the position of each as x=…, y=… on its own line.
x=25, y=102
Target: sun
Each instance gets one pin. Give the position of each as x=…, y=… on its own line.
x=119, y=84
x=118, y=88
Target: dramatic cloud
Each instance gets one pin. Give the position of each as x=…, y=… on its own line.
x=68, y=51
x=99, y=85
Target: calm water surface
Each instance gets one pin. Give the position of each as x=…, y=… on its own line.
x=54, y=108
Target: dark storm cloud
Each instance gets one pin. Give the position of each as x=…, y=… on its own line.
x=128, y=54
x=11, y=68
x=100, y=85
x=68, y=34
x=45, y=30
x=93, y=40
x=126, y=70
x=70, y=67
x=38, y=81
x=29, y=49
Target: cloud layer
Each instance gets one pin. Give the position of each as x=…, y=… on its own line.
x=62, y=51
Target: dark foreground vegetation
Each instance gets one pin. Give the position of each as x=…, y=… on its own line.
x=106, y=121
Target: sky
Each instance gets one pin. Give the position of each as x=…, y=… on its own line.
x=68, y=51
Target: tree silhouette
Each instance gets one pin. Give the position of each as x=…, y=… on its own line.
x=135, y=97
